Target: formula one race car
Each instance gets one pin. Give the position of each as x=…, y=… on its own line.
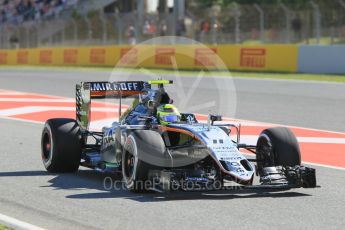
x=155, y=147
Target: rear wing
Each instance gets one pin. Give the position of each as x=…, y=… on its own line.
x=116, y=89
x=85, y=91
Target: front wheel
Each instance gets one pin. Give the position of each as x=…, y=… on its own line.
x=143, y=151
x=61, y=145
x=134, y=171
x=277, y=147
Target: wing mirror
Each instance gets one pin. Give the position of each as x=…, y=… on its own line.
x=212, y=118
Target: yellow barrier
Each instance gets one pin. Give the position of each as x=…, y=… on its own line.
x=281, y=58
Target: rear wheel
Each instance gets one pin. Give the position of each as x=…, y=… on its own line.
x=61, y=145
x=277, y=147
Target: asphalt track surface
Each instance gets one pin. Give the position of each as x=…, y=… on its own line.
x=79, y=201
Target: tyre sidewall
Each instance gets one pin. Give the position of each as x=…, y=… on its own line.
x=65, y=150
x=47, y=161
x=130, y=148
x=283, y=145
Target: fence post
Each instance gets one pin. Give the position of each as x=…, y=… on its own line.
x=104, y=27
x=215, y=12
x=75, y=31
x=1, y=37
x=7, y=38
x=174, y=19
x=18, y=43
x=317, y=21
x=140, y=18
x=288, y=21
x=119, y=28
x=342, y=3
x=4, y=37
x=193, y=23
x=37, y=25
x=262, y=22
x=50, y=39
x=38, y=41
x=27, y=35
x=63, y=35
x=89, y=29
x=237, y=13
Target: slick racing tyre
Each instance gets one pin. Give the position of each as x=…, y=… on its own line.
x=61, y=145
x=140, y=145
x=277, y=147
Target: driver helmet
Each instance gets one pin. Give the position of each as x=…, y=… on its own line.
x=168, y=113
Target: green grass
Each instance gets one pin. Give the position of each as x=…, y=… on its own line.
x=293, y=76
x=161, y=72
x=311, y=41
x=266, y=75
x=4, y=228
x=324, y=41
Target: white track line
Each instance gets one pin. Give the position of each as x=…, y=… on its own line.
x=11, y=93
x=36, y=100
x=252, y=139
x=17, y=224
x=289, y=126
x=305, y=162
x=324, y=166
x=22, y=120
x=36, y=109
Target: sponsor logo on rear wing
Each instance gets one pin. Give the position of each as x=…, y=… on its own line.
x=116, y=89
x=121, y=88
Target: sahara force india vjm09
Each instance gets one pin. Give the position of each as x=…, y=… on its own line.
x=155, y=147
